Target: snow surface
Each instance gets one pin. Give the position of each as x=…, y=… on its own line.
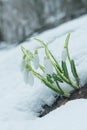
x=21, y=103
x=71, y=116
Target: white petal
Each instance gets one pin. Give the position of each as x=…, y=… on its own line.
x=22, y=65
x=36, y=61
x=64, y=54
x=26, y=72
x=48, y=66
x=30, y=79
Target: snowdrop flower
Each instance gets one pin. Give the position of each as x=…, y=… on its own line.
x=48, y=66
x=22, y=65
x=31, y=78
x=25, y=74
x=28, y=77
x=64, y=54
x=36, y=61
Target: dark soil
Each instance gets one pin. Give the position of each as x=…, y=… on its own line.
x=77, y=94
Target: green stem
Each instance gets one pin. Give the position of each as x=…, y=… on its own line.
x=42, y=68
x=48, y=51
x=59, y=87
x=66, y=46
x=58, y=66
x=73, y=68
x=25, y=52
x=64, y=78
x=50, y=85
x=55, y=89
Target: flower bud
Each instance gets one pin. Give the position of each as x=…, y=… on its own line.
x=30, y=78
x=48, y=66
x=64, y=54
x=36, y=61
x=26, y=72
x=22, y=65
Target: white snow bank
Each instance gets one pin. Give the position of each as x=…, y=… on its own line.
x=72, y=115
x=20, y=103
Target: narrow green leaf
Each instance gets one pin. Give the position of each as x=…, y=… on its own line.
x=59, y=87
x=58, y=91
x=49, y=78
x=66, y=46
x=67, y=40
x=74, y=72
x=57, y=78
x=56, y=62
x=64, y=67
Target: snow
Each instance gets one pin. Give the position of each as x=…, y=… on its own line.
x=71, y=116
x=20, y=104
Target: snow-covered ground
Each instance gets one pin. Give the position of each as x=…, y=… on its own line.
x=21, y=103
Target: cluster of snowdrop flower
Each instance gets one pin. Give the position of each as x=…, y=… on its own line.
x=52, y=73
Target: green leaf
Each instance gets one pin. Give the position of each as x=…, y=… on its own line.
x=65, y=71
x=74, y=72
x=67, y=40
x=54, y=88
x=66, y=46
x=49, y=78
x=57, y=78
x=56, y=62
